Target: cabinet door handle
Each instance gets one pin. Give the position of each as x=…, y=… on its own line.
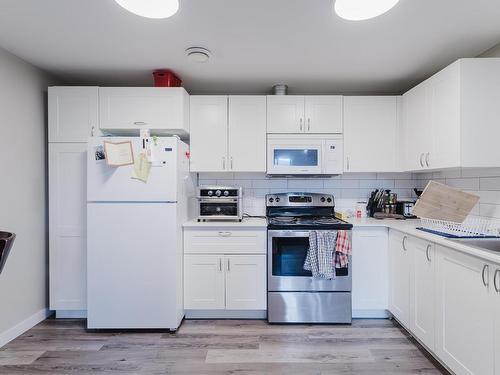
x=228, y=265
x=348, y=163
x=225, y=234
x=224, y=163
x=428, y=252
x=404, y=243
x=300, y=121
x=427, y=159
x=220, y=264
x=92, y=131
x=140, y=123
x=421, y=160
x=308, y=124
x=497, y=288
x=486, y=269
x=231, y=161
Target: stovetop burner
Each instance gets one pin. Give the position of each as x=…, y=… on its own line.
x=310, y=222
x=303, y=211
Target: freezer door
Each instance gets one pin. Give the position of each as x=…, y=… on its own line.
x=114, y=184
x=134, y=266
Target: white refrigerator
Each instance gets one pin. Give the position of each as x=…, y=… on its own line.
x=134, y=237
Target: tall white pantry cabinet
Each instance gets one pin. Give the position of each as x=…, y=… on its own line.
x=72, y=119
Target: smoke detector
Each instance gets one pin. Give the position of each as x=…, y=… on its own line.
x=198, y=54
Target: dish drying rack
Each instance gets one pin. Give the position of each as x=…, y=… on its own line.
x=472, y=227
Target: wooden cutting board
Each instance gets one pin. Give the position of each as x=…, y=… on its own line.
x=443, y=202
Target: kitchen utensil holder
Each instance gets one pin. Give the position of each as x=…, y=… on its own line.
x=472, y=226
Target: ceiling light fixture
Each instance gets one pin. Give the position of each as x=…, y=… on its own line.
x=198, y=54
x=151, y=8
x=358, y=10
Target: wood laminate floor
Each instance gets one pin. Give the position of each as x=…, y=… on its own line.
x=219, y=347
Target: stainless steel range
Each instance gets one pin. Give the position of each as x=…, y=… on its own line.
x=294, y=295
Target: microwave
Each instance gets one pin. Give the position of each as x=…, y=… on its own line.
x=305, y=154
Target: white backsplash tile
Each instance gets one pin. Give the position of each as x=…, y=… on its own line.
x=350, y=188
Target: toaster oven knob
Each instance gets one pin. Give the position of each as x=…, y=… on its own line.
x=218, y=193
x=322, y=199
x=271, y=200
x=226, y=193
x=329, y=200
x=277, y=199
x=210, y=193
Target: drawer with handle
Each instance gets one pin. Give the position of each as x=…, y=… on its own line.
x=225, y=240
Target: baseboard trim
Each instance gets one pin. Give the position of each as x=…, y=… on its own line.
x=226, y=314
x=71, y=314
x=21, y=327
x=370, y=314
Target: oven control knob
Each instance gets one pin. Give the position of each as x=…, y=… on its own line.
x=218, y=193
x=329, y=200
x=226, y=193
x=210, y=193
x=277, y=199
x=323, y=199
x=271, y=200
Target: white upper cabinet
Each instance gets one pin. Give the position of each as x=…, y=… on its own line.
x=73, y=113
x=126, y=110
x=323, y=114
x=451, y=119
x=285, y=114
x=208, y=138
x=444, y=96
x=416, y=128
x=228, y=134
x=247, y=134
x=371, y=133
x=292, y=114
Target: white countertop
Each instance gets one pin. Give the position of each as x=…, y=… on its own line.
x=250, y=222
x=410, y=227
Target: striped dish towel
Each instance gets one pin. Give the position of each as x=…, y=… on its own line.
x=320, y=256
x=342, y=250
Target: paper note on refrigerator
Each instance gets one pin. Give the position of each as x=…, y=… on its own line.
x=119, y=154
x=142, y=168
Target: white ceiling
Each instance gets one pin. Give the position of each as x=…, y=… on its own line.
x=255, y=43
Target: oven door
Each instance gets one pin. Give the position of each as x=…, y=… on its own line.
x=294, y=157
x=219, y=208
x=287, y=251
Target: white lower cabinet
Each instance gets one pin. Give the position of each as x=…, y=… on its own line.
x=246, y=282
x=229, y=273
x=370, y=273
x=399, y=277
x=465, y=319
x=422, y=290
x=496, y=314
x=204, y=282
x=231, y=282
x=454, y=303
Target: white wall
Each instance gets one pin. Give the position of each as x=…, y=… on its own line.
x=347, y=189
x=23, y=283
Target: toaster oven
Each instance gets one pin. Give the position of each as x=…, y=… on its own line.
x=220, y=203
